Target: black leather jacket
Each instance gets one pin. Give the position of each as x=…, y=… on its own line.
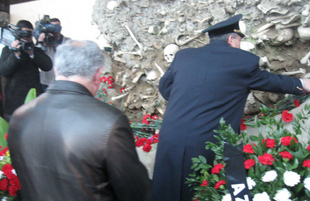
x=67, y=145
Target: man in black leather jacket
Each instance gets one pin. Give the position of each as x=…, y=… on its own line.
x=67, y=145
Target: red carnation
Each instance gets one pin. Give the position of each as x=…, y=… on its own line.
x=3, y=151
x=139, y=143
x=249, y=163
x=110, y=85
x=147, y=147
x=146, y=119
x=103, y=79
x=269, y=142
x=266, y=159
x=149, y=141
x=217, y=168
x=154, y=117
x=104, y=91
x=296, y=103
x=122, y=90
x=248, y=149
x=286, y=116
x=13, y=190
x=219, y=184
x=14, y=181
x=286, y=141
x=308, y=148
x=242, y=126
x=286, y=154
x=7, y=169
x=306, y=163
x=204, y=183
x=111, y=78
x=108, y=80
x=6, y=136
x=4, y=184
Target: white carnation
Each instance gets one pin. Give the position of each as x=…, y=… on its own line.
x=291, y=178
x=282, y=195
x=1, y=174
x=226, y=197
x=14, y=172
x=251, y=183
x=270, y=176
x=307, y=183
x=261, y=196
x=4, y=199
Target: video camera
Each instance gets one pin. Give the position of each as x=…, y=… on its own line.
x=45, y=26
x=12, y=33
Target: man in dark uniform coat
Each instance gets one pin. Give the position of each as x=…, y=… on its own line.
x=202, y=85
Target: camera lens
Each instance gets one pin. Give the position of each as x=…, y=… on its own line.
x=27, y=46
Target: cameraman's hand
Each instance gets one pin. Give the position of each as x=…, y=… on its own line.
x=16, y=45
x=41, y=38
x=30, y=52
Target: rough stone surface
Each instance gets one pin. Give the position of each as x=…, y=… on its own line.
x=136, y=33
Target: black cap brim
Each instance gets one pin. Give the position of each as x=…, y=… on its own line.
x=230, y=25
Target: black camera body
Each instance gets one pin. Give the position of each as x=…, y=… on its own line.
x=45, y=26
x=12, y=33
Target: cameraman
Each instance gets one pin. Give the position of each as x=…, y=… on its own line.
x=48, y=42
x=20, y=64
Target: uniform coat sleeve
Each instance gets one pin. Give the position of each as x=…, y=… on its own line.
x=265, y=81
x=166, y=82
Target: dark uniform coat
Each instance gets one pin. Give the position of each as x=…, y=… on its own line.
x=67, y=145
x=21, y=75
x=202, y=85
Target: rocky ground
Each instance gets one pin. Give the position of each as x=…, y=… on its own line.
x=136, y=34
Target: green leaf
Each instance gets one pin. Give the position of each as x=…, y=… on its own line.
x=299, y=187
x=202, y=159
x=195, y=160
x=32, y=94
x=253, y=138
x=3, y=130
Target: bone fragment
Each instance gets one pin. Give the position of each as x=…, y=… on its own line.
x=184, y=42
x=301, y=70
x=159, y=69
x=306, y=59
x=119, y=97
x=133, y=37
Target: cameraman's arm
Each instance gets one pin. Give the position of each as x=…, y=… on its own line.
x=40, y=41
x=42, y=60
x=16, y=45
x=9, y=63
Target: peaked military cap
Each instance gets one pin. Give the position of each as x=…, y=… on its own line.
x=230, y=25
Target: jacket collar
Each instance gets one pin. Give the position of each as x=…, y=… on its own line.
x=219, y=42
x=62, y=86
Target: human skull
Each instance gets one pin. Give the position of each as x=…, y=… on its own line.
x=169, y=52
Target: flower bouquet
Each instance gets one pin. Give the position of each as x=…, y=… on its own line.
x=9, y=182
x=146, y=133
x=276, y=161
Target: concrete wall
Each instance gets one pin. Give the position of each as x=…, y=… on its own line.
x=75, y=16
